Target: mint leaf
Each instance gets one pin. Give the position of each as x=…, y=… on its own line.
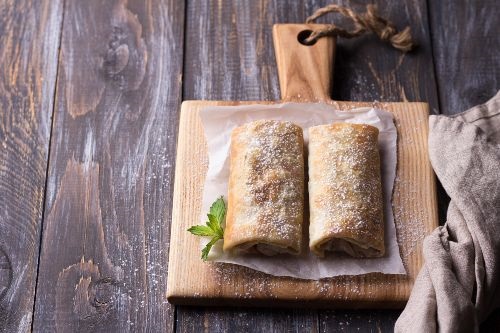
x=218, y=209
x=201, y=230
x=207, y=248
x=213, y=227
x=212, y=222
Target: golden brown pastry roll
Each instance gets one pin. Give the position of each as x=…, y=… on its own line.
x=266, y=188
x=345, y=190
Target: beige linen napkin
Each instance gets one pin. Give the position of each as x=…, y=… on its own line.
x=458, y=286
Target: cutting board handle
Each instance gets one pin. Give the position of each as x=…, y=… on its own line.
x=305, y=71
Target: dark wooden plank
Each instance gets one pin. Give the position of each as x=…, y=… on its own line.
x=369, y=321
x=107, y=215
x=29, y=42
x=466, y=50
x=196, y=319
x=230, y=56
x=368, y=69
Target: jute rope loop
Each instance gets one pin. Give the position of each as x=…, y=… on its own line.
x=369, y=21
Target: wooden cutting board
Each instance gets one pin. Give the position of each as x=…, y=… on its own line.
x=305, y=74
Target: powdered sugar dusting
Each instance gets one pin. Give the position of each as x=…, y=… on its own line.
x=268, y=167
x=345, y=187
x=409, y=222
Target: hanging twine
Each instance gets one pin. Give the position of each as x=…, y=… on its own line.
x=369, y=21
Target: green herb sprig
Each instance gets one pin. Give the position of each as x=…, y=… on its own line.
x=213, y=227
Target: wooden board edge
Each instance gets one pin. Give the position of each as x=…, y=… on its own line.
x=190, y=102
x=175, y=198
x=177, y=296
x=286, y=304
x=434, y=193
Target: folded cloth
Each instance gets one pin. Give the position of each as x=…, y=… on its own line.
x=458, y=286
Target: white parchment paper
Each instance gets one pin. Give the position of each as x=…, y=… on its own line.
x=219, y=121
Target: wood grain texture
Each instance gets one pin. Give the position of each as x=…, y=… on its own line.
x=370, y=321
x=108, y=203
x=232, y=40
x=303, y=66
x=368, y=69
x=230, y=58
x=29, y=42
x=193, y=282
x=466, y=43
x=246, y=320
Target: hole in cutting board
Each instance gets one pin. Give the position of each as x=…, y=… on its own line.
x=301, y=37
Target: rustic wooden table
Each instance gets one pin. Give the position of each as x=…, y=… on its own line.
x=89, y=105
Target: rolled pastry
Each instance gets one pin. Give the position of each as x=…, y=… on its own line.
x=266, y=188
x=345, y=190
